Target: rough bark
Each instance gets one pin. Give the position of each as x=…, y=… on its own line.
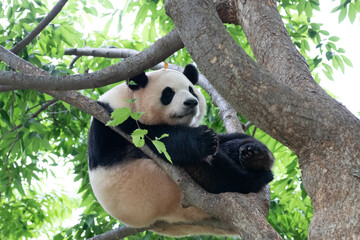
x=323, y=133
x=151, y=56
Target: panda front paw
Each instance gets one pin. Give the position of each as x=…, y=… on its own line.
x=208, y=142
x=255, y=157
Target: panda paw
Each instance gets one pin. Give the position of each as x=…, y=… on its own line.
x=208, y=142
x=255, y=157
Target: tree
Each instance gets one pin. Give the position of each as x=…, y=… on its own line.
x=277, y=93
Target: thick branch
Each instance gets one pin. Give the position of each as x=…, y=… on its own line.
x=249, y=88
x=124, y=231
x=52, y=14
x=131, y=66
x=316, y=127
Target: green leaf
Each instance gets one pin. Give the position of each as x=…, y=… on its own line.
x=131, y=82
x=162, y=136
x=329, y=55
x=341, y=50
x=160, y=146
x=119, y=116
x=340, y=63
x=308, y=9
x=334, y=38
x=301, y=6
x=328, y=75
x=342, y=14
x=352, y=12
x=323, y=32
x=357, y=5
x=331, y=45
x=130, y=100
x=347, y=61
x=328, y=67
x=136, y=115
x=91, y=10
x=302, y=29
x=335, y=62
x=138, y=137
x=107, y=26
x=120, y=21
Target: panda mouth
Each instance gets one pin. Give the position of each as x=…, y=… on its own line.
x=183, y=115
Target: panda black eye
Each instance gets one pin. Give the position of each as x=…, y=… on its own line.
x=191, y=90
x=167, y=95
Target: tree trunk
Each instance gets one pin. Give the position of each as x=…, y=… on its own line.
x=287, y=104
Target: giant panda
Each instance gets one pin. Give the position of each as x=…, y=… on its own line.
x=133, y=189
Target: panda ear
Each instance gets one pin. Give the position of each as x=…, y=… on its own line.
x=137, y=82
x=191, y=73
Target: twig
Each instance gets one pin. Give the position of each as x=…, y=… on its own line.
x=52, y=14
x=248, y=125
x=73, y=61
x=253, y=134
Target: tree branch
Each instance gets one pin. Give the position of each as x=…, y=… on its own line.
x=124, y=231
x=248, y=87
x=272, y=45
x=101, y=52
x=131, y=66
x=52, y=14
x=315, y=126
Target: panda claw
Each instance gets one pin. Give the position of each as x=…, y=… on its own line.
x=255, y=157
x=208, y=142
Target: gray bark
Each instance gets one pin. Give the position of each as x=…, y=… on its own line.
x=151, y=56
x=287, y=104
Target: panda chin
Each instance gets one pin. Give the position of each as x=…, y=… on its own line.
x=184, y=118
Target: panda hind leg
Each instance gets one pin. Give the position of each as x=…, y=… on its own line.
x=255, y=157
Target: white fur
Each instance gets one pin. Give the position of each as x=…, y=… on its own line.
x=138, y=192
x=148, y=99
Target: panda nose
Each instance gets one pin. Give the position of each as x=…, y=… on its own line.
x=191, y=103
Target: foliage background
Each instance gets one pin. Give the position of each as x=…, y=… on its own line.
x=53, y=145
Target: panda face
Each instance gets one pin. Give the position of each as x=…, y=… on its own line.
x=168, y=98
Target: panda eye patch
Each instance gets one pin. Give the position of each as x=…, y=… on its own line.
x=191, y=90
x=167, y=95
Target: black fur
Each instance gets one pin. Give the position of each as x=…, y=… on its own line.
x=167, y=96
x=191, y=90
x=238, y=162
x=191, y=73
x=140, y=81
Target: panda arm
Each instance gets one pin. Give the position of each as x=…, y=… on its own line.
x=184, y=144
x=231, y=136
